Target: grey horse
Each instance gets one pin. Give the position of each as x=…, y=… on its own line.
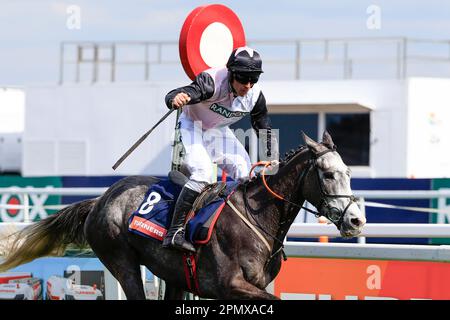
x=236, y=263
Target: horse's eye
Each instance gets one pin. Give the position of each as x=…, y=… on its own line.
x=328, y=175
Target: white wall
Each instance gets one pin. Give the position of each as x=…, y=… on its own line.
x=84, y=129
x=428, y=128
x=12, y=108
x=387, y=99
x=12, y=118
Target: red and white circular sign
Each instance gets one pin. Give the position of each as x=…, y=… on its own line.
x=208, y=36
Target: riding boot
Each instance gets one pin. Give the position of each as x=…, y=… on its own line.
x=175, y=235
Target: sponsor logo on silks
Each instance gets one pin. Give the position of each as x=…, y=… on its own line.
x=148, y=228
x=225, y=112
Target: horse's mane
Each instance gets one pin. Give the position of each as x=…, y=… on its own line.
x=292, y=153
x=287, y=157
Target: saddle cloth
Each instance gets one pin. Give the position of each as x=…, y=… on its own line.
x=153, y=217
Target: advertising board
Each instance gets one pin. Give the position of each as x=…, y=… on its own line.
x=37, y=202
x=353, y=279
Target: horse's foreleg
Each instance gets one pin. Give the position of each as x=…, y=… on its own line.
x=239, y=288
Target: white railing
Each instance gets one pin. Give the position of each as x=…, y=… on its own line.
x=54, y=191
x=303, y=230
x=306, y=230
x=327, y=58
x=25, y=195
x=374, y=230
x=369, y=251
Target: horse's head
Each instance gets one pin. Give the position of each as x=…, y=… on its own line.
x=327, y=186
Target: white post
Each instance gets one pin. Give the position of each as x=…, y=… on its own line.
x=214, y=172
x=26, y=209
x=322, y=125
x=271, y=287
x=253, y=147
x=161, y=285
x=442, y=204
x=362, y=207
x=113, y=290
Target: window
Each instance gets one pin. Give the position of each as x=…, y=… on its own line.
x=351, y=134
x=290, y=127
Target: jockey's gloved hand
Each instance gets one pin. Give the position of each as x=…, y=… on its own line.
x=274, y=163
x=180, y=100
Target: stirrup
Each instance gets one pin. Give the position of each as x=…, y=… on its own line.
x=172, y=242
x=184, y=244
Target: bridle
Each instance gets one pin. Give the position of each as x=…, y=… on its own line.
x=333, y=214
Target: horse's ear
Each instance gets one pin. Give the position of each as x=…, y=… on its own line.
x=312, y=145
x=326, y=140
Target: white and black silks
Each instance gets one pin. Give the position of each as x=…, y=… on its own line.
x=215, y=104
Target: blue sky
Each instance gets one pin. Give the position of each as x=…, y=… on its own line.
x=31, y=30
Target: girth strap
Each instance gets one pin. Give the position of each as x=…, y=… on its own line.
x=190, y=271
x=251, y=226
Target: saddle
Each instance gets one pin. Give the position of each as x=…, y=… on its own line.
x=211, y=192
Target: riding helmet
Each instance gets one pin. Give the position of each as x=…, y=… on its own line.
x=245, y=60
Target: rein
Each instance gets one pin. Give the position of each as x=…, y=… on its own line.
x=276, y=195
x=333, y=214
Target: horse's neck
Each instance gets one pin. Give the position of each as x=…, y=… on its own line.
x=287, y=183
x=279, y=214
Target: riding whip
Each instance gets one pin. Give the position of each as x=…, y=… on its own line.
x=141, y=139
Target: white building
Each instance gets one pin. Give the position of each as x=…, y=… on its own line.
x=393, y=125
x=12, y=117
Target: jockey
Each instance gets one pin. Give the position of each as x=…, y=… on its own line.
x=217, y=98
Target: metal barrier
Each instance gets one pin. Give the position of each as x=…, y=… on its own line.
x=374, y=230
x=338, y=58
x=297, y=229
x=26, y=193
x=368, y=251
x=303, y=230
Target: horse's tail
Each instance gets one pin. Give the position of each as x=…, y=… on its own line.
x=49, y=236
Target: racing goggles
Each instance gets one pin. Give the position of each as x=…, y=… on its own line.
x=245, y=78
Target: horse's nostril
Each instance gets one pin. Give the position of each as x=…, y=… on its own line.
x=356, y=222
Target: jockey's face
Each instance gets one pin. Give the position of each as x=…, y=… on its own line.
x=240, y=88
x=243, y=83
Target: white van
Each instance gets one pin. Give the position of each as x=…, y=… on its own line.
x=59, y=288
x=21, y=289
x=6, y=277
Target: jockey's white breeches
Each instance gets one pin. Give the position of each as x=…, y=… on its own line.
x=203, y=148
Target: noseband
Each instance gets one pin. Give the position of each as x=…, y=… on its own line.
x=333, y=214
